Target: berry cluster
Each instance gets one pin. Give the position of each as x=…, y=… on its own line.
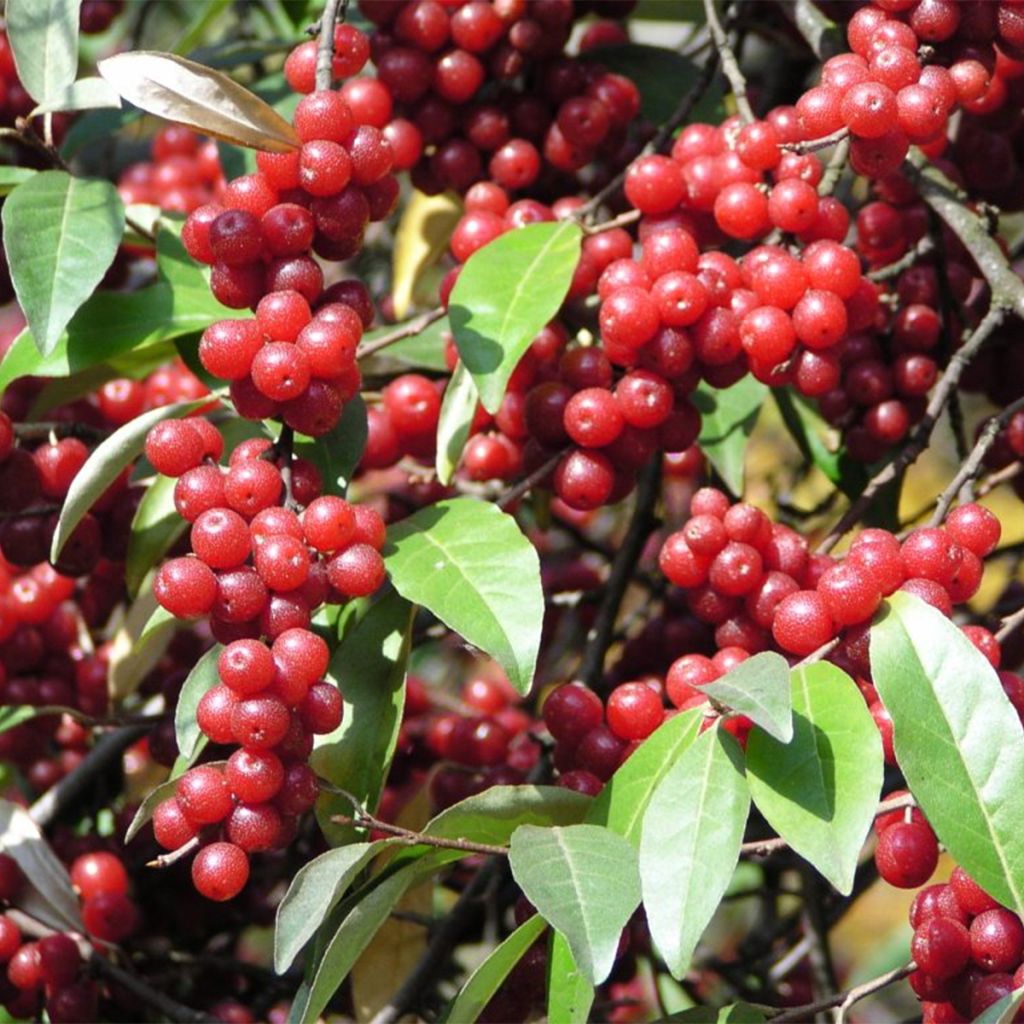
x=183, y=174
x=969, y=949
x=258, y=570
x=50, y=970
x=456, y=75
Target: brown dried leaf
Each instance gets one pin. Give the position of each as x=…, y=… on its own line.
x=182, y=90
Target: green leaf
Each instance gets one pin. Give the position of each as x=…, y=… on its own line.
x=663, y=77
x=109, y=325
x=480, y=986
x=12, y=177
x=469, y=563
x=507, y=291
x=369, y=667
x=570, y=995
x=759, y=689
x=423, y=351
x=49, y=896
x=566, y=873
x=820, y=790
x=361, y=916
x=107, y=460
x=315, y=891
x=728, y=417
x=811, y=434
x=44, y=38
x=14, y=714
x=690, y=844
x=620, y=806
x=338, y=452
x=453, y=426
x=85, y=94
x=154, y=530
x=1002, y=1012
x=60, y=235
x=203, y=677
x=957, y=739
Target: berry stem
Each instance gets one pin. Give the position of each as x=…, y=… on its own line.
x=410, y=838
x=814, y=145
x=961, y=484
x=334, y=11
x=400, y=333
x=730, y=66
x=844, y=1000
x=919, y=439
x=165, y=860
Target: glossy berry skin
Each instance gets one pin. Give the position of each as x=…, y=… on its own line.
x=220, y=871
x=941, y=947
x=634, y=711
x=802, y=623
x=571, y=711
x=907, y=854
x=100, y=872
x=997, y=940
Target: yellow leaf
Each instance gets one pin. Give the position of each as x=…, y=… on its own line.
x=182, y=90
x=420, y=241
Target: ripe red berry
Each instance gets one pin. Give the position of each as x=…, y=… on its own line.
x=220, y=871
x=907, y=854
x=634, y=711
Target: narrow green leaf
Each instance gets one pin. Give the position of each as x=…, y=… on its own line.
x=44, y=38
x=566, y=873
x=159, y=621
x=957, y=739
x=469, y=563
x=14, y=714
x=570, y=995
x=85, y=94
x=453, y=426
x=507, y=291
x=481, y=985
x=820, y=790
x=203, y=677
x=728, y=417
x=107, y=460
x=314, y=892
x=338, y=452
x=50, y=897
x=361, y=916
x=759, y=689
x=811, y=434
x=110, y=324
x=620, y=806
x=60, y=235
x=369, y=667
x=690, y=844
x=154, y=530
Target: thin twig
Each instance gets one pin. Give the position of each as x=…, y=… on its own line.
x=923, y=247
x=730, y=66
x=834, y=168
x=919, y=439
x=325, y=43
x=814, y=145
x=67, y=791
x=665, y=132
x=410, y=838
x=846, y=999
x=973, y=463
x=1009, y=624
x=622, y=220
x=165, y=860
x=623, y=567
x=998, y=478
x=541, y=473
x=400, y=333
